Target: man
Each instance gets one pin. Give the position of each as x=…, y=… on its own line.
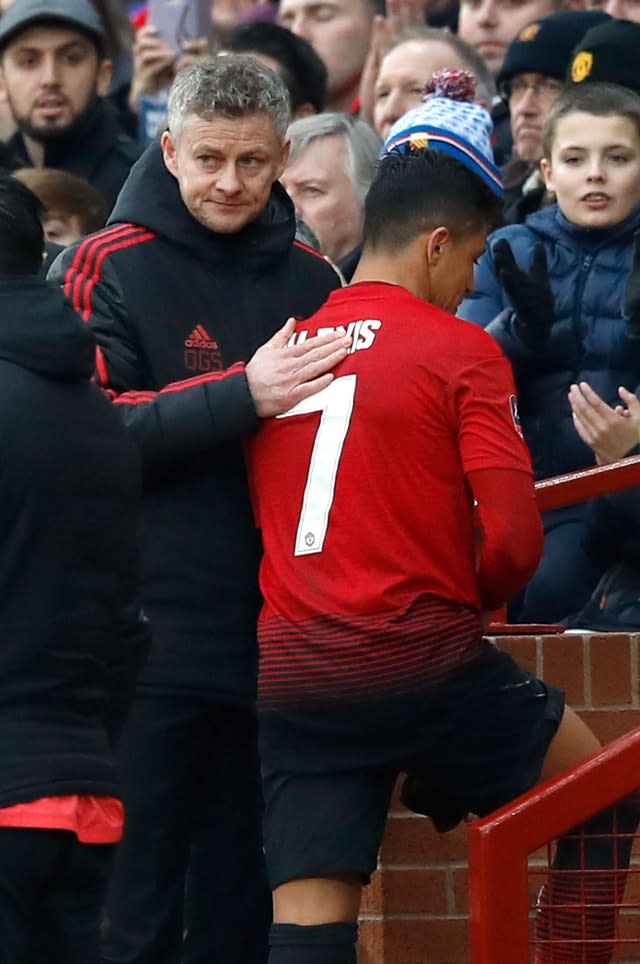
x=289, y=55
x=340, y=32
x=376, y=575
x=530, y=79
x=71, y=636
x=197, y=271
x=410, y=63
x=56, y=76
x=328, y=174
x=490, y=25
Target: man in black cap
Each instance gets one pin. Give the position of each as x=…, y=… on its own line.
x=56, y=74
x=530, y=79
x=608, y=53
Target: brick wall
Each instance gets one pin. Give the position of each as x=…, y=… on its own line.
x=415, y=909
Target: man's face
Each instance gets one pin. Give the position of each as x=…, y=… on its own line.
x=319, y=186
x=530, y=97
x=451, y=277
x=51, y=75
x=620, y=9
x=594, y=168
x=338, y=30
x=402, y=76
x=491, y=25
x=225, y=167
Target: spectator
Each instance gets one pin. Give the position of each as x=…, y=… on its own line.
x=289, y=55
x=328, y=174
x=613, y=433
x=197, y=270
x=56, y=77
x=71, y=207
x=372, y=659
x=71, y=635
x=340, y=32
x=490, y=25
x=409, y=64
x=531, y=77
x=551, y=291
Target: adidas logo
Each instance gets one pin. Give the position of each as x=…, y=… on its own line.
x=200, y=338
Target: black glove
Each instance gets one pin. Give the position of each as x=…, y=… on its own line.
x=529, y=291
x=632, y=291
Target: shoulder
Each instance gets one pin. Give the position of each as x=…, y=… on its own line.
x=317, y=263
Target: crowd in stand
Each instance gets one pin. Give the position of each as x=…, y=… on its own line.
x=172, y=199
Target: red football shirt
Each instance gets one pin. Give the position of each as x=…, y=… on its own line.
x=360, y=489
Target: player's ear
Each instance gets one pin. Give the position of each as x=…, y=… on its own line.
x=437, y=240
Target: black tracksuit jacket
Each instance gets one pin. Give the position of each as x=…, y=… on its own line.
x=177, y=309
x=69, y=492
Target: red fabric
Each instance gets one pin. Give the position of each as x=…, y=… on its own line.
x=511, y=533
x=94, y=820
x=433, y=401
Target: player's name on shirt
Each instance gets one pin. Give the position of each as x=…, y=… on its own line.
x=363, y=333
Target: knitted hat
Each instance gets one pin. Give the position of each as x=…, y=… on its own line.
x=447, y=121
x=23, y=14
x=546, y=45
x=609, y=53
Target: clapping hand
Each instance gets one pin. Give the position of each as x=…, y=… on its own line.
x=611, y=432
x=529, y=292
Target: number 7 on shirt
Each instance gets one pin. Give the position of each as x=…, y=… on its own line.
x=336, y=404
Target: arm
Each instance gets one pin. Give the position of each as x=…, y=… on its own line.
x=497, y=467
x=511, y=533
x=189, y=416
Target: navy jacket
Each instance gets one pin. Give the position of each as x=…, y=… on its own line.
x=177, y=310
x=588, y=270
x=70, y=637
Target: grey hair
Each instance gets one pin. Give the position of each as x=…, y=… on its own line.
x=230, y=85
x=362, y=142
x=485, y=84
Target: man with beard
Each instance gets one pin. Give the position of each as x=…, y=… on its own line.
x=56, y=75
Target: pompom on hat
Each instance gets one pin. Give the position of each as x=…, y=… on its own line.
x=447, y=120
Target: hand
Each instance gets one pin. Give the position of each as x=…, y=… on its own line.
x=153, y=65
x=632, y=291
x=529, y=292
x=610, y=432
x=280, y=375
x=192, y=51
x=401, y=16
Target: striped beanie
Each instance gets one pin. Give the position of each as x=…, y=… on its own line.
x=447, y=120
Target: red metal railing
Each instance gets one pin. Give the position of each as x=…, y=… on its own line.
x=500, y=846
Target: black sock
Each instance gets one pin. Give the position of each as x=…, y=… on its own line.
x=316, y=944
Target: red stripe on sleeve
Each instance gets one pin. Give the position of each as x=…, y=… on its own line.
x=139, y=398
x=75, y=273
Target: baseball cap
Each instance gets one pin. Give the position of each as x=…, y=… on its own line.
x=23, y=14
